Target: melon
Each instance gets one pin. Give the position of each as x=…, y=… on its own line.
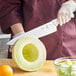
x=29, y=53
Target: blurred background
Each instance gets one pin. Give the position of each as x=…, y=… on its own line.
x=4, y=38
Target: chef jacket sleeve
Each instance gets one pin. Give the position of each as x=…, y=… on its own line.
x=10, y=13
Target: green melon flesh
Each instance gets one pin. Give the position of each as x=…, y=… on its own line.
x=67, y=68
x=30, y=52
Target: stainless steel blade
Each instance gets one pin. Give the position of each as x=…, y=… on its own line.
x=38, y=32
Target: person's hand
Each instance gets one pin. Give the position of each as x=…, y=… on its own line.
x=66, y=12
x=18, y=34
x=15, y=38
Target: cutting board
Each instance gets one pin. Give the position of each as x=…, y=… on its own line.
x=48, y=69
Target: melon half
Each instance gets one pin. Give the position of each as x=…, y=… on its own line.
x=29, y=53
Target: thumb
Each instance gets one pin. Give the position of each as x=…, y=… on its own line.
x=71, y=14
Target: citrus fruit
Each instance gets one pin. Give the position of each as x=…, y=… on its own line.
x=6, y=70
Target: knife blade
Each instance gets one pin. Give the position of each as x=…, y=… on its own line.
x=38, y=32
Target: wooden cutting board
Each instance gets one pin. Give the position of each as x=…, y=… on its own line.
x=48, y=69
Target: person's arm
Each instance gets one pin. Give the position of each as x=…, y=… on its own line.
x=17, y=28
x=66, y=12
x=11, y=16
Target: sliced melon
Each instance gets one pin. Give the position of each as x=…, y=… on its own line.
x=29, y=53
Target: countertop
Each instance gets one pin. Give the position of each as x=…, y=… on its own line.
x=48, y=69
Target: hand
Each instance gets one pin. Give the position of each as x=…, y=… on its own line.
x=15, y=38
x=66, y=12
x=18, y=34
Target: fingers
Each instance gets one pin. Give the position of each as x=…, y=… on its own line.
x=11, y=48
x=64, y=16
x=71, y=15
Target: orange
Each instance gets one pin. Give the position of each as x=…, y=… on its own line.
x=6, y=70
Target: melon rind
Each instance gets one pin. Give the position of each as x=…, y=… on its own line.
x=18, y=56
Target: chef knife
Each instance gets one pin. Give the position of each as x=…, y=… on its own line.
x=38, y=32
